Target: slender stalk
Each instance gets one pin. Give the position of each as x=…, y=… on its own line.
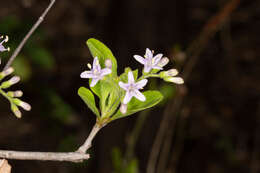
x=34, y=27
x=44, y=156
x=87, y=144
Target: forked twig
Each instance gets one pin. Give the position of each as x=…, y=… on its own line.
x=28, y=35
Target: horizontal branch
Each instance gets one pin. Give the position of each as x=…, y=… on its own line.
x=44, y=156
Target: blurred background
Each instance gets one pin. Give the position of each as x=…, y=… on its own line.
x=209, y=125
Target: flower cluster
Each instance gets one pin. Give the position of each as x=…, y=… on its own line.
x=12, y=96
x=152, y=65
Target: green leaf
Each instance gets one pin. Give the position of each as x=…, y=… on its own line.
x=109, y=97
x=135, y=105
x=101, y=51
x=87, y=96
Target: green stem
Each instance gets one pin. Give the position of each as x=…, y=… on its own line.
x=5, y=95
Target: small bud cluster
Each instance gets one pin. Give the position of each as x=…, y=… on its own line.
x=12, y=96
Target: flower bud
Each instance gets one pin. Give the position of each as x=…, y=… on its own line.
x=177, y=80
x=108, y=63
x=8, y=71
x=163, y=62
x=23, y=104
x=18, y=93
x=10, y=82
x=172, y=72
x=14, y=80
x=16, y=111
x=123, y=108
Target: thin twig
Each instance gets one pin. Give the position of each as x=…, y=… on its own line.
x=77, y=156
x=44, y=156
x=193, y=52
x=87, y=144
x=34, y=27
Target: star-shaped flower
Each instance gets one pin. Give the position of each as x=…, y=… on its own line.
x=96, y=73
x=2, y=48
x=132, y=88
x=149, y=61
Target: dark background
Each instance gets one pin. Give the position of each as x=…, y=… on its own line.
x=214, y=130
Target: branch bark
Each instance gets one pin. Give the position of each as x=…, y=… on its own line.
x=44, y=156
x=34, y=27
x=77, y=156
x=87, y=144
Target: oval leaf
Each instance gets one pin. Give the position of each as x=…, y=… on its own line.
x=152, y=99
x=87, y=96
x=98, y=49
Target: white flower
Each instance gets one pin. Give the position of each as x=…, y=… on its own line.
x=132, y=88
x=96, y=73
x=2, y=48
x=149, y=61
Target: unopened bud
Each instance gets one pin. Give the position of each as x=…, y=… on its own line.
x=172, y=72
x=18, y=93
x=16, y=111
x=25, y=106
x=14, y=80
x=108, y=63
x=10, y=82
x=123, y=108
x=8, y=71
x=177, y=80
x=163, y=62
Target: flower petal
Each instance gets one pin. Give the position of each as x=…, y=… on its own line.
x=157, y=58
x=148, y=53
x=123, y=85
x=2, y=48
x=139, y=95
x=141, y=83
x=94, y=82
x=128, y=97
x=96, y=64
x=157, y=67
x=139, y=59
x=147, y=69
x=87, y=74
x=105, y=71
x=130, y=77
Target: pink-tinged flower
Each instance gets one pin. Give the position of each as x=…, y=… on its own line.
x=149, y=61
x=96, y=73
x=132, y=88
x=2, y=48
